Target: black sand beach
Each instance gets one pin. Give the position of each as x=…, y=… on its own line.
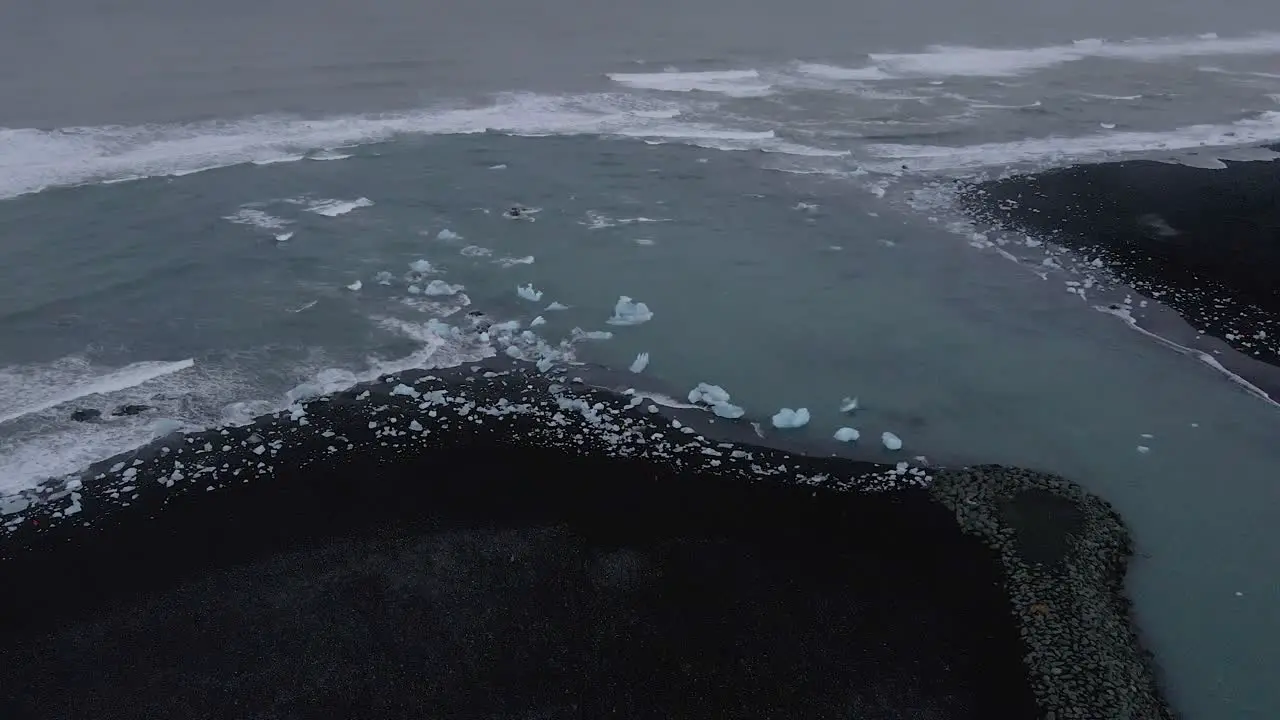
x=487, y=541
x=1205, y=242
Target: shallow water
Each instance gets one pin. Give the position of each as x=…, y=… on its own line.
x=793, y=277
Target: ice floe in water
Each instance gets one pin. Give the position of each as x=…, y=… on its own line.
x=788, y=418
x=475, y=251
x=891, y=441
x=440, y=287
x=510, y=261
x=422, y=266
x=537, y=321
x=717, y=398
x=528, y=293
x=555, y=305
x=628, y=312
x=355, y=286
x=284, y=237
x=383, y=278
x=846, y=434
x=640, y=363
x=334, y=208
x=848, y=405
x=447, y=234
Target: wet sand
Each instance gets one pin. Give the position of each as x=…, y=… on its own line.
x=485, y=540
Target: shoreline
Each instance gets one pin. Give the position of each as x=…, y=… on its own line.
x=497, y=445
x=1203, y=242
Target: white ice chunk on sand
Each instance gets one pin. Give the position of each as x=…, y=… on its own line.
x=717, y=398
x=891, y=441
x=626, y=312
x=788, y=418
x=355, y=286
x=440, y=287
x=447, y=234
x=846, y=434
x=848, y=405
x=528, y=293
x=640, y=363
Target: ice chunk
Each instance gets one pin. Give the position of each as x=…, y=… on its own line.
x=848, y=405
x=728, y=410
x=447, y=234
x=846, y=434
x=440, y=287
x=283, y=237
x=640, y=363
x=626, y=312
x=891, y=441
x=421, y=266
x=556, y=306
x=382, y=278
x=788, y=418
x=414, y=290
x=355, y=286
x=717, y=398
x=528, y=293
x=1144, y=449
x=537, y=321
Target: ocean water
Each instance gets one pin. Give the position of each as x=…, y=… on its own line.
x=213, y=211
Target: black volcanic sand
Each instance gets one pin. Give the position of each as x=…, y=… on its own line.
x=488, y=541
x=1205, y=242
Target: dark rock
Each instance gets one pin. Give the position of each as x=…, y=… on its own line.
x=131, y=410
x=86, y=415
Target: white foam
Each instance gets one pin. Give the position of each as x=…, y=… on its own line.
x=950, y=60
x=1261, y=128
x=37, y=159
x=249, y=215
x=732, y=83
x=19, y=397
x=334, y=208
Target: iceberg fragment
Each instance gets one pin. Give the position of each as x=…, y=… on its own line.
x=891, y=441
x=846, y=434
x=627, y=312
x=788, y=418
x=640, y=363
x=528, y=293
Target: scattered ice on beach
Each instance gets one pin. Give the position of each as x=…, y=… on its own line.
x=717, y=398
x=528, y=293
x=848, y=405
x=447, y=234
x=627, y=312
x=640, y=363
x=440, y=287
x=891, y=441
x=788, y=418
x=355, y=286
x=846, y=434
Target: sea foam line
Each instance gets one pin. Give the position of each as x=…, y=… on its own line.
x=115, y=381
x=35, y=160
